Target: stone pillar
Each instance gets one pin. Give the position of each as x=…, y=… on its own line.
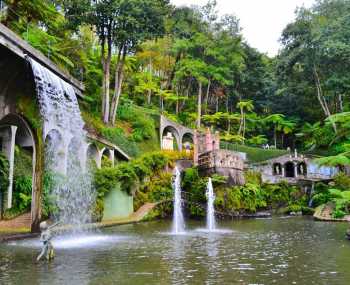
x=217, y=141
x=283, y=171
x=99, y=159
x=208, y=141
x=112, y=156
x=9, y=143
x=295, y=170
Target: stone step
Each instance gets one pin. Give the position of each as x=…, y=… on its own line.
x=143, y=211
x=22, y=221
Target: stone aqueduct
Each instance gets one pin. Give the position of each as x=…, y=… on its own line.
x=20, y=121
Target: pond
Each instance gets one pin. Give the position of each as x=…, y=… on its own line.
x=261, y=251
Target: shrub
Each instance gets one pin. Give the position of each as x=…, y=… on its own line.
x=4, y=174
x=142, y=125
x=338, y=214
x=342, y=181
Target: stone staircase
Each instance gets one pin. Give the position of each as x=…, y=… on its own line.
x=134, y=218
x=143, y=211
x=20, y=222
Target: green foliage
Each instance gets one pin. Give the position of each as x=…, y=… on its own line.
x=143, y=127
x=336, y=197
x=195, y=185
x=249, y=198
x=342, y=181
x=4, y=173
x=132, y=175
x=22, y=193
x=47, y=207
x=23, y=162
x=254, y=154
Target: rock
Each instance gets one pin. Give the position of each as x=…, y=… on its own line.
x=296, y=213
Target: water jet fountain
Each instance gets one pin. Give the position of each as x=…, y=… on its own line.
x=178, y=219
x=211, y=226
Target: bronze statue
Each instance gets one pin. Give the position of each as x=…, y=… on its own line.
x=45, y=238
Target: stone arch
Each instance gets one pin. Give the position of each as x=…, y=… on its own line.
x=277, y=168
x=187, y=140
x=15, y=131
x=289, y=169
x=107, y=157
x=302, y=168
x=92, y=154
x=176, y=135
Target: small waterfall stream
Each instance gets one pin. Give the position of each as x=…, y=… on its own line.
x=178, y=219
x=72, y=193
x=211, y=226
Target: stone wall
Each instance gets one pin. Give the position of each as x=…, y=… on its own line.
x=224, y=162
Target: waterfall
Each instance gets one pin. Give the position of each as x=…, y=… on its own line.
x=210, y=206
x=178, y=219
x=65, y=141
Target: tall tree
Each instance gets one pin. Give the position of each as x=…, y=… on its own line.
x=137, y=21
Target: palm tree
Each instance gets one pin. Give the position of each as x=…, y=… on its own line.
x=280, y=125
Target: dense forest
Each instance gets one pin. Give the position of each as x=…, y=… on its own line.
x=139, y=58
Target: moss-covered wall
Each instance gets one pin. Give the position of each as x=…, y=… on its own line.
x=117, y=204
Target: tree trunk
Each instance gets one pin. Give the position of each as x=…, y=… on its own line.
x=275, y=136
x=244, y=126
x=187, y=94
x=241, y=122
x=149, y=95
x=207, y=96
x=340, y=102
x=199, y=105
x=119, y=77
x=106, y=64
x=322, y=99
x=177, y=102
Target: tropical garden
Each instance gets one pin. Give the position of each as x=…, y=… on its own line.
x=139, y=59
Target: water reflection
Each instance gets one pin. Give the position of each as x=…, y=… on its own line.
x=277, y=251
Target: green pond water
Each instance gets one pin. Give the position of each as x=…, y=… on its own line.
x=262, y=251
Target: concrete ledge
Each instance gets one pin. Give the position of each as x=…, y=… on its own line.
x=20, y=47
x=109, y=144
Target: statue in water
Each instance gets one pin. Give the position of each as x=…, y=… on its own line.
x=45, y=238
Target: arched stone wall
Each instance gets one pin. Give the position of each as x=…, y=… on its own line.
x=187, y=138
x=289, y=169
x=106, y=152
x=277, y=169
x=179, y=131
x=21, y=134
x=302, y=168
x=175, y=134
x=92, y=153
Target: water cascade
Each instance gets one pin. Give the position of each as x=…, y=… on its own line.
x=178, y=219
x=65, y=141
x=210, y=206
